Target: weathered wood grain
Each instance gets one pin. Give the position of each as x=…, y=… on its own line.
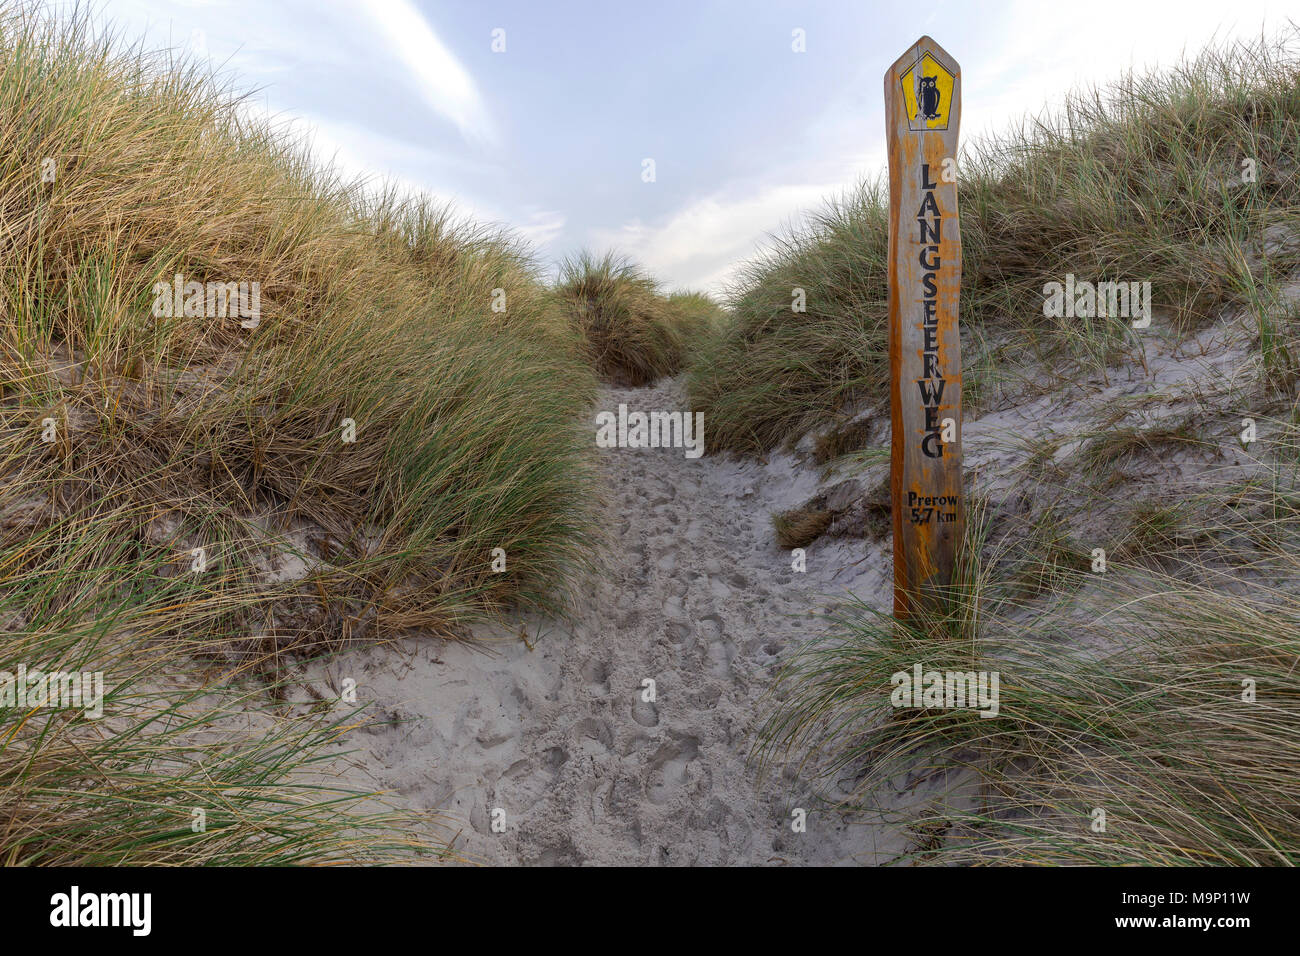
x=922, y=115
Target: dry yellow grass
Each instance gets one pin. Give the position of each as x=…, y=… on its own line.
x=130, y=437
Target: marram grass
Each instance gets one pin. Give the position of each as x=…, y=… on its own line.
x=1148, y=715
x=1143, y=180
x=633, y=333
x=341, y=469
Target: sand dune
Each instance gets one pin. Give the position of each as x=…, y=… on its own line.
x=551, y=728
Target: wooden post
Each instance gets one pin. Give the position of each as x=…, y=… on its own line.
x=922, y=114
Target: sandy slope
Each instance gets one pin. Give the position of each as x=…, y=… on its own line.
x=699, y=598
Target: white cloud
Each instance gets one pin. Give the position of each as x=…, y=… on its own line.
x=358, y=41
x=360, y=153
x=701, y=245
x=444, y=83
x=541, y=226
x=1047, y=56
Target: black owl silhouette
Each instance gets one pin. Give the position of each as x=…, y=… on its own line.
x=927, y=101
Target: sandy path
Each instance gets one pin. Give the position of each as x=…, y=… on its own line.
x=698, y=598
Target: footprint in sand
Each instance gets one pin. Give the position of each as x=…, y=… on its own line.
x=645, y=713
x=677, y=633
x=593, y=736
x=596, y=674
x=669, y=766
x=721, y=650
x=554, y=758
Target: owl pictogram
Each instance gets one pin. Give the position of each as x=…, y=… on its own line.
x=927, y=99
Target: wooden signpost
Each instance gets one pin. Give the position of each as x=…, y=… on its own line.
x=922, y=113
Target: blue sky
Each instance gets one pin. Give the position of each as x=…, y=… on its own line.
x=550, y=135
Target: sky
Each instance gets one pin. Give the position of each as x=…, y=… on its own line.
x=540, y=114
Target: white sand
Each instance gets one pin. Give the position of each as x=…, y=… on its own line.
x=699, y=598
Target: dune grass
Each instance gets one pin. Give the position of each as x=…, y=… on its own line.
x=699, y=317
x=1148, y=715
x=799, y=527
x=1186, y=178
x=378, y=311
x=340, y=466
x=633, y=332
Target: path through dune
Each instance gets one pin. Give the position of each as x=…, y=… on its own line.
x=697, y=597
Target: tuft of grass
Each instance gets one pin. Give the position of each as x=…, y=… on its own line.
x=840, y=441
x=698, y=317
x=1050, y=559
x=375, y=311
x=1113, y=448
x=800, y=527
x=633, y=334
x=176, y=768
x=775, y=373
